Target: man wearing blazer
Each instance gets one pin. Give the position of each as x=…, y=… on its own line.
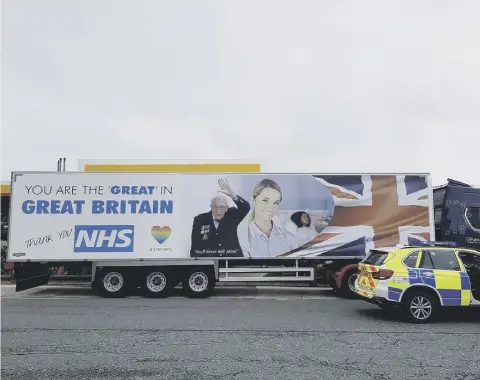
x=214, y=233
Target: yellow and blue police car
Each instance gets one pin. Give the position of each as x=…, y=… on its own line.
x=420, y=279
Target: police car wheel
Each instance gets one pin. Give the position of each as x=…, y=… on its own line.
x=198, y=283
x=420, y=307
x=112, y=284
x=157, y=283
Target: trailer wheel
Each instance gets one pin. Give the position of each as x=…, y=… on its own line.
x=348, y=284
x=158, y=283
x=198, y=283
x=112, y=284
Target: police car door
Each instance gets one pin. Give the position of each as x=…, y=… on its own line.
x=447, y=276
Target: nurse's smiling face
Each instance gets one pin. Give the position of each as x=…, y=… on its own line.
x=266, y=204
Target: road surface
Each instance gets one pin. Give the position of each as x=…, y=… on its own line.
x=61, y=332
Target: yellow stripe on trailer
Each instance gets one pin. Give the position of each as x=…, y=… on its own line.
x=174, y=168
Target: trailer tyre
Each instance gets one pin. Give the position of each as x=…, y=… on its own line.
x=113, y=283
x=348, y=284
x=198, y=283
x=158, y=283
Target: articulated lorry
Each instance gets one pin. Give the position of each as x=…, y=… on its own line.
x=154, y=231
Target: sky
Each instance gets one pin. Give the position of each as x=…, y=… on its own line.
x=305, y=86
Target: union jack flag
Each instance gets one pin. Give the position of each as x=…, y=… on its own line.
x=372, y=211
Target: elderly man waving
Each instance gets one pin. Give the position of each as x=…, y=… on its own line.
x=214, y=233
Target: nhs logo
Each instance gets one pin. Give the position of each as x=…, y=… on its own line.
x=104, y=238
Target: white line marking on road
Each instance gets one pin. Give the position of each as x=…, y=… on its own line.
x=44, y=298
x=263, y=293
x=291, y=298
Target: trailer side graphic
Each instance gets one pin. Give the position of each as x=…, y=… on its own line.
x=235, y=226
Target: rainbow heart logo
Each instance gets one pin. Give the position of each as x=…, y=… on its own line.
x=160, y=234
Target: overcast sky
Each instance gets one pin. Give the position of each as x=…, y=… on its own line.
x=308, y=86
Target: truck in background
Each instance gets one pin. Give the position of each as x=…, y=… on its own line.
x=152, y=231
x=457, y=213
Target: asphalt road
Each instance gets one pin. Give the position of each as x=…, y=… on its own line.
x=61, y=332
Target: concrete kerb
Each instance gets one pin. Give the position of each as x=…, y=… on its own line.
x=249, y=289
x=54, y=279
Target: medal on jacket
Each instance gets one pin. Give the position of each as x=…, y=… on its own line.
x=204, y=230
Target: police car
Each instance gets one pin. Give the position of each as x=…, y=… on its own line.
x=420, y=279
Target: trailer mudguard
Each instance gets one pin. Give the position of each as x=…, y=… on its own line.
x=31, y=275
x=340, y=274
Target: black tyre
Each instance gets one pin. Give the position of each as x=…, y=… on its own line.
x=113, y=283
x=332, y=283
x=198, y=282
x=158, y=283
x=420, y=307
x=348, y=284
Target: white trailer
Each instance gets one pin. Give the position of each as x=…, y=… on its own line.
x=153, y=231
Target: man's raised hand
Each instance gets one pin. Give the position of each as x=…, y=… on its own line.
x=225, y=188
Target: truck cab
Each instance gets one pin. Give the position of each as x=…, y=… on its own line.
x=457, y=214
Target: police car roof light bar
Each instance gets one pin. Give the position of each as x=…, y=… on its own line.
x=438, y=243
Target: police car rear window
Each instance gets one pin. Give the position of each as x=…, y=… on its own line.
x=375, y=258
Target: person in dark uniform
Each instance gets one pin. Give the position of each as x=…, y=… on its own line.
x=214, y=233
x=472, y=266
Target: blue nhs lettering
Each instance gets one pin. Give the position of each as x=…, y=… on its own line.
x=104, y=238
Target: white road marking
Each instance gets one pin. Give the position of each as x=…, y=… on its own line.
x=213, y=297
x=54, y=292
